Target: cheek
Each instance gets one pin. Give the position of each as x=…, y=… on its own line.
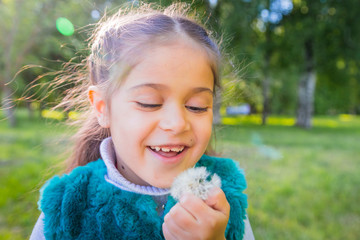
x=204, y=129
x=207, y=134
x=133, y=127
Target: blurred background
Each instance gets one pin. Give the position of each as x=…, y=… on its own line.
x=289, y=106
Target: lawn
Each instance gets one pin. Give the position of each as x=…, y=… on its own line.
x=29, y=154
x=302, y=184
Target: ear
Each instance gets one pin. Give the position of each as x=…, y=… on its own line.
x=99, y=105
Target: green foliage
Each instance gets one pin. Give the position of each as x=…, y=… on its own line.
x=331, y=24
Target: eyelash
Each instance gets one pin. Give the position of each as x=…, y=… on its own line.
x=191, y=108
x=197, y=109
x=145, y=105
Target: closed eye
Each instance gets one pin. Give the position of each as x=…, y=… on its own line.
x=145, y=105
x=190, y=108
x=197, y=109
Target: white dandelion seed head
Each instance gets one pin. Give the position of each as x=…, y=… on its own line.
x=195, y=181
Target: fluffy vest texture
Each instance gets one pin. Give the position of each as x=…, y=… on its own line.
x=83, y=205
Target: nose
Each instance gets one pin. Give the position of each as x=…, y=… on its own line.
x=174, y=119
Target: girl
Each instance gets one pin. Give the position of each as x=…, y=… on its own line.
x=153, y=75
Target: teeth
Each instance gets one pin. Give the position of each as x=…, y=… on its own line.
x=167, y=149
x=178, y=149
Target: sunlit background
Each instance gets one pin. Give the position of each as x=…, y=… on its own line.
x=289, y=113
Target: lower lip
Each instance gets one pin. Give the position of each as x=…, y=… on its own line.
x=169, y=160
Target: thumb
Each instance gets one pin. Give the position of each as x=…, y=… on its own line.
x=217, y=201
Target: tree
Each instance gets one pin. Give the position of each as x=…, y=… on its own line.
x=319, y=30
x=29, y=36
x=22, y=29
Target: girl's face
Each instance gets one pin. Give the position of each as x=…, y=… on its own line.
x=161, y=116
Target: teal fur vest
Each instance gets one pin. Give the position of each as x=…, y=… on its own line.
x=83, y=205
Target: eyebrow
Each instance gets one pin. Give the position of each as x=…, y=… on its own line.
x=163, y=87
x=150, y=85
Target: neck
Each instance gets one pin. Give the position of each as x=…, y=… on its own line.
x=127, y=173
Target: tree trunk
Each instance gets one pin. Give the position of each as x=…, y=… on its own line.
x=306, y=90
x=216, y=109
x=266, y=81
x=8, y=105
x=265, y=92
x=354, y=91
x=30, y=109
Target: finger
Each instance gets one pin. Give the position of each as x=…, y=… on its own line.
x=193, y=205
x=168, y=235
x=217, y=201
x=180, y=219
x=175, y=230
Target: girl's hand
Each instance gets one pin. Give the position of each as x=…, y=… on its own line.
x=193, y=218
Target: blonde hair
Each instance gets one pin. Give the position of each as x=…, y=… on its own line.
x=116, y=47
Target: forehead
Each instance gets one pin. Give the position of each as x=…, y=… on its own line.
x=178, y=63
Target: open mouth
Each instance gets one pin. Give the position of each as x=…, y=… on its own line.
x=167, y=151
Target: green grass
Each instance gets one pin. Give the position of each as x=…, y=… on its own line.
x=302, y=184
x=311, y=189
x=29, y=154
